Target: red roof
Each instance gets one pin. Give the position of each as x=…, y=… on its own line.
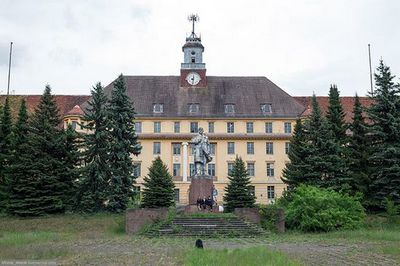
x=75, y=111
x=323, y=101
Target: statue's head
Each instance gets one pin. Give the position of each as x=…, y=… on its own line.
x=201, y=130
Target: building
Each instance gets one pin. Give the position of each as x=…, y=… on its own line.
x=250, y=117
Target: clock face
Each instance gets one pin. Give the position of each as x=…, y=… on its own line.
x=193, y=78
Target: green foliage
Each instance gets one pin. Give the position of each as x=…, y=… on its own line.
x=391, y=210
x=5, y=153
x=269, y=216
x=385, y=134
x=315, y=209
x=158, y=186
x=238, y=191
x=123, y=143
x=335, y=116
x=93, y=184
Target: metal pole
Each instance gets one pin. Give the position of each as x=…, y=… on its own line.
x=370, y=70
x=9, y=70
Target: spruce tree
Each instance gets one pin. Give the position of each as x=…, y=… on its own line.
x=5, y=153
x=158, y=186
x=123, y=141
x=22, y=200
x=297, y=169
x=93, y=184
x=359, y=152
x=46, y=168
x=335, y=116
x=238, y=191
x=385, y=132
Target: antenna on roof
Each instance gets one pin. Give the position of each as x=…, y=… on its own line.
x=370, y=70
x=9, y=70
x=193, y=18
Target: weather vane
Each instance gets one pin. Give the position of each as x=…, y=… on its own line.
x=193, y=18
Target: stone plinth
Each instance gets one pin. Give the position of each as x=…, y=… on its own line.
x=137, y=218
x=249, y=214
x=200, y=187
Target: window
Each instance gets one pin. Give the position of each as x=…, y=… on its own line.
x=287, y=147
x=211, y=169
x=194, y=108
x=158, y=108
x=157, y=127
x=230, y=127
x=176, y=194
x=250, y=147
x=212, y=148
x=229, y=108
x=194, y=127
x=252, y=190
x=191, y=169
x=74, y=124
x=138, y=127
x=156, y=148
x=230, y=168
x=176, y=148
x=136, y=169
x=231, y=147
x=193, y=59
x=288, y=127
x=268, y=127
x=177, y=127
x=270, y=169
x=249, y=127
x=210, y=127
x=266, y=108
x=250, y=169
x=271, y=192
x=176, y=169
x=269, y=148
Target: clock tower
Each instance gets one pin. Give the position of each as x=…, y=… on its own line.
x=193, y=70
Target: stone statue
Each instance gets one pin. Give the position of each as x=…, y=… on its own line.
x=201, y=148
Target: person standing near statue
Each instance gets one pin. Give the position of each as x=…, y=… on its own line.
x=201, y=147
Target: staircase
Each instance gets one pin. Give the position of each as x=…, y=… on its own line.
x=211, y=226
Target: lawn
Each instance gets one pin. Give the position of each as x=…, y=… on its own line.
x=100, y=239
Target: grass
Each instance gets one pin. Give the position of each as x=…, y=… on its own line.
x=251, y=256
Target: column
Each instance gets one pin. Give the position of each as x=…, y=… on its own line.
x=185, y=162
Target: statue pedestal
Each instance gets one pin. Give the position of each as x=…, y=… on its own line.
x=200, y=187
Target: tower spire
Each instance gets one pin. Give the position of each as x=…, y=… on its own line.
x=193, y=18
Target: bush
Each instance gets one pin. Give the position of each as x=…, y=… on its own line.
x=313, y=209
x=269, y=216
x=391, y=210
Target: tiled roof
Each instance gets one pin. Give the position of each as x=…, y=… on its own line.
x=323, y=101
x=75, y=111
x=246, y=93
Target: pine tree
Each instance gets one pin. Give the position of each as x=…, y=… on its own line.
x=22, y=200
x=46, y=168
x=327, y=167
x=335, y=116
x=123, y=143
x=385, y=132
x=238, y=191
x=5, y=153
x=93, y=184
x=158, y=186
x=297, y=169
x=359, y=152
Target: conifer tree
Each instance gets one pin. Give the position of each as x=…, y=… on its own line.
x=93, y=184
x=238, y=191
x=158, y=186
x=385, y=132
x=5, y=153
x=335, y=116
x=359, y=152
x=297, y=169
x=123, y=141
x=22, y=201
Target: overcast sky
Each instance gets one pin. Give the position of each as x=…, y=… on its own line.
x=302, y=46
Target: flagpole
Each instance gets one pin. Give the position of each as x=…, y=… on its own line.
x=9, y=70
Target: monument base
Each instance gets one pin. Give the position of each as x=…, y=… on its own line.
x=200, y=187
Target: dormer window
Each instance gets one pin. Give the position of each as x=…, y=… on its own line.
x=194, y=108
x=229, y=108
x=266, y=108
x=158, y=108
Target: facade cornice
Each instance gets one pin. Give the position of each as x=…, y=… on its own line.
x=216, y=136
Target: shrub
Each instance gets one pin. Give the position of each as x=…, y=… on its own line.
x=313, y=209
x=391, y=210
x=268, y=216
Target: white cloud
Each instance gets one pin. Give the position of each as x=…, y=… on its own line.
x=303, y=46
